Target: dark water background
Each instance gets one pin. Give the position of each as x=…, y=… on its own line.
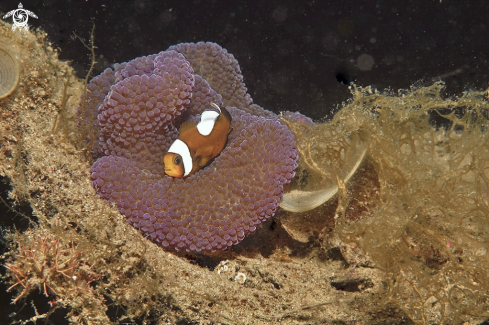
x=295, y=55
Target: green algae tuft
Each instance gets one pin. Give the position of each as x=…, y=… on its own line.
x=426, y=223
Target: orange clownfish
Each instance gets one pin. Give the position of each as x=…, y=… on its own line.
x=198, y=143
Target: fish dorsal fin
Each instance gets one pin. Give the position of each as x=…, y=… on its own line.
x=187, y=125
x=225, y=113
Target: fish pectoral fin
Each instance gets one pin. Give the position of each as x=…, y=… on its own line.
x=203, y=155
x=204, y=161
x=187, y=126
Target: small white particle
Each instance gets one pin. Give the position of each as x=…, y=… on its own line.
x=240, y=278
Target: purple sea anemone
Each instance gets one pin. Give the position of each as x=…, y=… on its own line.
x=139, y=106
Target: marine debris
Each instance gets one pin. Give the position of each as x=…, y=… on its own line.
x=9, y=70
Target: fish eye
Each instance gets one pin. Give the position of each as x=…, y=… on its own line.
x=177, y=160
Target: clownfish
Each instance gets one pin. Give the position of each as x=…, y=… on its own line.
x=198, y=143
